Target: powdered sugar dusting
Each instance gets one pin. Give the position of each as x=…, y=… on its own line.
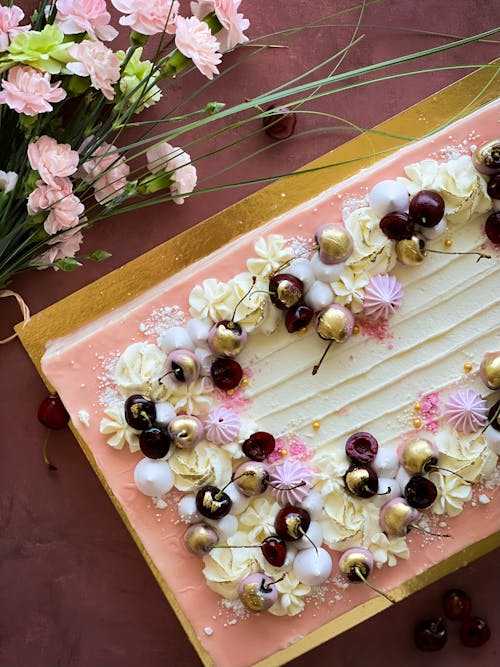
x=162, y=319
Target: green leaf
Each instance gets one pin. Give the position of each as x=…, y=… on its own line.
x=67, y=264
x=99, y=255
x=213, y=107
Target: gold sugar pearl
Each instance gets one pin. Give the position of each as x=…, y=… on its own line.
x=230, y=392
x=417, y=407
x=448, y=243
x=467, y=367
x=316, y=425
x=244, y=382
x=284, y=452
x=417, y=422
x=303, y=330
x=355, y=329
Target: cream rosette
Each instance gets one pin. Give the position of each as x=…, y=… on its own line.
x=291, y=599
x=272, y=252
x=139, y=369
x=212, y=300
x=193, y=398
x=331, y=466
x=225, y=568
x=373, y=252
x=348, y=521
x=453, y=492
x=387, y=551
x=457, y=181
x=252, y=309
x=469, y=455
x=257, y=521
x=205, y=464
x=349, y=289
x=116, y=427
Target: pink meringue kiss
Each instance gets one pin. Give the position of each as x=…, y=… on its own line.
x=383, y=296
x=222, y=426
x=291, y=482
x=466, y=411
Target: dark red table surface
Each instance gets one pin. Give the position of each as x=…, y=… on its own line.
x=75, y=591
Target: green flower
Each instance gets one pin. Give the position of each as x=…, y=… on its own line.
x=137, y=84
x=43, y=49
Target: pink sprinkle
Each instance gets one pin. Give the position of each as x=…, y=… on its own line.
x=378, y=329
x=294, y=448
x=431, y=410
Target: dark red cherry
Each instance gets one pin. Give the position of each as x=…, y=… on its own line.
x=280, y=124
x=474, y=632
x=226, y=373
x=426, y=208
x=361, y=481
x=494, y=416
x=274, y=550
x=285, y=290
x=457, y=605
x=492, y=227
x=361, y=447
x=291, y=523
x=420, y=492
x=52, y=413
x=494, y=187
x=430, y=635
x=212, y=502
x=259, y=446
x=155, y=442
x=140, y=412
x=397, y=226
x=297, y=317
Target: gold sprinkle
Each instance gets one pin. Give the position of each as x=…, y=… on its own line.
x=448, y=243
x=230, y=392
x=417, y=407
x=355, y=329
x=417, y=422
x=303, y=330
x=284, y=452
x=468, y=367
x=244, y=382
x=316, y=425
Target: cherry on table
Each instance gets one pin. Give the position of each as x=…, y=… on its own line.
x=430, y=635
x=474, y=632
x=457, y=605
x=52, y=413
x=280, y=124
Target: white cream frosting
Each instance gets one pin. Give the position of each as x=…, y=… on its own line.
x=225, y=568
x=211, y=300
x=348, y=521
x=292, y=596
x=387, y=550
x=453, y=492
x=272, y=252
x=349, y=289
x=372, y=249
x=205, y=464
x=116, y=427
x=139, y=369
x=258, y=519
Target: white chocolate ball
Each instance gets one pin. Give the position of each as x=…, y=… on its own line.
x=315, y=535
x=205, y=359
x=198, y=331
x=388, y=196
x=320, y=296
x=301, y=268
x=386, y=462
x=174, y=339
x=165, y=412
x=312, y=567
x=240, y=502
x=313, y=503
x=187, y=509
x=383, y=494
x=492, y=437
x=403, y=477
x=226, y=527
x=431, y=233
x=327, y=273
x=153, y=478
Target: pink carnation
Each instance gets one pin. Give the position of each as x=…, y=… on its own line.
x=85, y=16
x=148, y=17
x=165, y=157
x=65, y=207
x=232, y=23
x=194, y=39
x=62, y=246
x=95, y=60
x=29, y=91
x=107, y=169
x=10, y=18
x=112, y=183
x=51, y=159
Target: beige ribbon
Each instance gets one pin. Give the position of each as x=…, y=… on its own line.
x=25, y=311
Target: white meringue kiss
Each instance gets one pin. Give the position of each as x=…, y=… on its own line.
x=153, y=478
x=312, y=567
x=388, y=196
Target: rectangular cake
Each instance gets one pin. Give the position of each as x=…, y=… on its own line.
x=314, y=402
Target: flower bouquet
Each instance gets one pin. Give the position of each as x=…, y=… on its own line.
x=67, y=101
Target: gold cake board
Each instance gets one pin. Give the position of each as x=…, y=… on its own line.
x=129, y=281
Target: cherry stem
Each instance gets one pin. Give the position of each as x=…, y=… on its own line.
x=494, y=418
x=266, y=585
x=276, y=485
x=452, y=472
x=481, y=255
x=254, y=279
x=316, y=368
x=218, y=495
x=304, y=534
x=385, y=492
x=361, y=576
x=427, y=532
x=45, y=457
